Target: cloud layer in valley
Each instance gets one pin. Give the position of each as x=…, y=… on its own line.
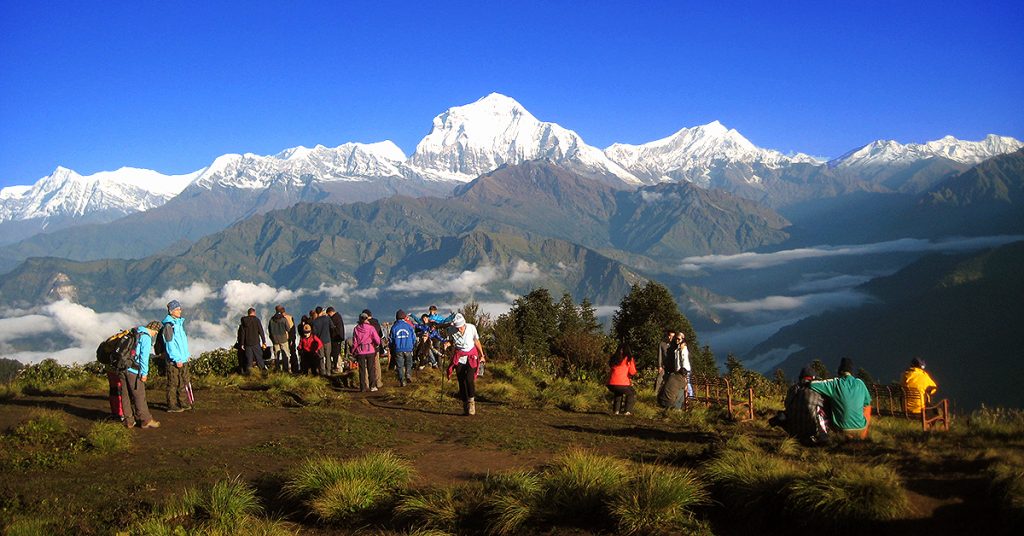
x=753, y=261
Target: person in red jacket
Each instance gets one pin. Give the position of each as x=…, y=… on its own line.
x=623, y=366
x=309, y=349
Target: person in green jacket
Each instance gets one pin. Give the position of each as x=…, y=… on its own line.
x=850, y=400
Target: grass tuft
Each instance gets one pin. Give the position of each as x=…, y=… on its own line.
x=512, y=500
x=657, y=499
x=342, y=490
x=580, y=485
x=750, y=481
x=838, y=494
x=435, y=507
x=109, y=437
x=44, y=427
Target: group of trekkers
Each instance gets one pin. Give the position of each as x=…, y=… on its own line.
x=818, y=410
x=315, y=345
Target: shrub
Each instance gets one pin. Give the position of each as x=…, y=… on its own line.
x=48, y=377
x=109, y=437
x=657, y=499
x=45, y=427
x=219, y=362
x=996, y=423
x=845, y=493
x=580, y=485
x=10, y=391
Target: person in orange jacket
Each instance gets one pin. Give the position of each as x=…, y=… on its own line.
x=623, y=366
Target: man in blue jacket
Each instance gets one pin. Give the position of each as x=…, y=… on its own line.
x=134, y=406
x=403, y=340
x=179, y=385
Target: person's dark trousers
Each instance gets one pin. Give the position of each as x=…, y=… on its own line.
x=336, y=346
x=467, y=381
x=623, y=391
x=367, y=376
x=296, y=369
x=403, y=366
x=177, y=386
x=115, y=395
x=134, y=403
x=253, y=354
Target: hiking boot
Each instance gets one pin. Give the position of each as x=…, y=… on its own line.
x=152, y=423
x=373, y=389
x=465, y=407
x=176, y=410
x=128, y=424
x=472, y=406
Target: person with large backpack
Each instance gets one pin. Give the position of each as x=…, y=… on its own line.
x=175, y=340
x=805, y=417
x=126, y=355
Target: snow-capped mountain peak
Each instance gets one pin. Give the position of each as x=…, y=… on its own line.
x=470, y=140
x=891, y=152
x=65, y=193
x=691, y=152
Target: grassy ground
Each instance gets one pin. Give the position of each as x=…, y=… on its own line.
x=284, y=455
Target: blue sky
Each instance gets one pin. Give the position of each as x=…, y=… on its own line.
x=171, y=85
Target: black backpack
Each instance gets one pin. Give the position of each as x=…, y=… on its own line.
x=159, y=344
x=118, y=351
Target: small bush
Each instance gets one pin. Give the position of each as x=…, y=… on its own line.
x=219, y=362
x=48, y=377
x=845, y=493
x=346, y=499
x=44, y=427
x=10, y=391
x=580, y=486
x=109, y=437
x=657, y=499
x=996, y=423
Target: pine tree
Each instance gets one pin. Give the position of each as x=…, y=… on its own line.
x=820, y=370
x=569, y=320
x=588, y=316
x=644, y=315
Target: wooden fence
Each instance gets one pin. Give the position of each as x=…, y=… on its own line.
x=891, y=400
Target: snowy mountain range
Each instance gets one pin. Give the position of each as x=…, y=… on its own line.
x=464, y=143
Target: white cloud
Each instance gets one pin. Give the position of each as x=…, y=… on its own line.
x=523, y=272
x=830, y=283
x=605, y=311
x=819, y=301
x=445, y=282
x=189, y=296
x=239, y=295
x=751, y=261
x=770, y=360
x=24, y=326
x=84, y=326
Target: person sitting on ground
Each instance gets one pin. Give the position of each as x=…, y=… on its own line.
x=849, y=400
x=805, y=417
x=365, y=341
x=134, y=406
x=424, y=353
x=309, y=348
x=623, y=366
x=920, y=384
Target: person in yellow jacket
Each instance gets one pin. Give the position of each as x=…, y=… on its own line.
x=920, y=383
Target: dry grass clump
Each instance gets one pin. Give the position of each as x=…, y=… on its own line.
x=228, y=507
x=838, y=493
x=109, y=437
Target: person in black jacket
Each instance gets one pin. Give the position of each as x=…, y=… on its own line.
x=322, y=329
x=251, y=341
x=337, y=337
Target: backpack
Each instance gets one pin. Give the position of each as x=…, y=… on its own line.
x=118, y=351
x=159, y=344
